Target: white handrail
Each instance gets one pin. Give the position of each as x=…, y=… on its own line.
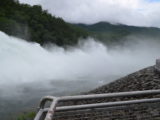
x=55, y=100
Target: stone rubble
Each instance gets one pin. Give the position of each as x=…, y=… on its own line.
x=145, y=79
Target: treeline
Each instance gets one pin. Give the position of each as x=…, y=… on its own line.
x=117, y=34
x=34, y=24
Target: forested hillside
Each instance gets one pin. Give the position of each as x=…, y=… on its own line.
x=37, y=25
x=111, y=33
x=32, y=23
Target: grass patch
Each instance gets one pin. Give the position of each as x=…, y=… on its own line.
x=26, y=116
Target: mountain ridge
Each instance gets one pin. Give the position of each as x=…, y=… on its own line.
x=110, y=33
x=34, y=24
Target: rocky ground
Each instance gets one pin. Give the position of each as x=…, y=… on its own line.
x=145, y=79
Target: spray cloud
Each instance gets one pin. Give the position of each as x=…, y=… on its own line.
x=25, y=63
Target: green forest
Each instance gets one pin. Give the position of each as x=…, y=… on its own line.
x=117, y=33
x=34, y=24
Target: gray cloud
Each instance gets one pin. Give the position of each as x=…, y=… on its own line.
x=130, y=12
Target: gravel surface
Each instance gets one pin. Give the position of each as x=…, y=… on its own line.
x=145, y=79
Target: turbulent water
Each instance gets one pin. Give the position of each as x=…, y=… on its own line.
x=29, y=71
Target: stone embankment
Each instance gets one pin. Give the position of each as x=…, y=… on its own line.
x=145, y=79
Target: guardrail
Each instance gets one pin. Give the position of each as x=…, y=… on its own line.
x=100, y=109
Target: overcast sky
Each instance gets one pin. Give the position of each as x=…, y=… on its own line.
x=130, y=12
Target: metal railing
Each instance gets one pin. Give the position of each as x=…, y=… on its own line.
x=137, y=105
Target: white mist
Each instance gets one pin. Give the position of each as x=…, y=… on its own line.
x=23, y=63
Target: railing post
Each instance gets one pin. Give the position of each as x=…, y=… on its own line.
x=157, y=66
x=51, y=110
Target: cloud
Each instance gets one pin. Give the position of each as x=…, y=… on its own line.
x=129, y=12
